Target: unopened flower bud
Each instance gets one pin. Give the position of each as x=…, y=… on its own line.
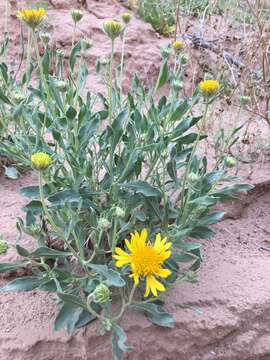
x=193, y=178
x=119, y=212
x=191, y=276
x=104, y=223
x=244, y=100
x=101, y=294
x=3, y=246
x=178, y=85
x=76, y=15
x=112, y=28
x=178, y=45
x=61, y=85
x=41, y=160
x=18, y=97
x=126, y=17
x=166, y=52
x=33, y=230
x=229, y=161
x=104, y=61
x=60, y=53
x=107, y=324
x=184, y=59
x=45, y=37
x=86, y=44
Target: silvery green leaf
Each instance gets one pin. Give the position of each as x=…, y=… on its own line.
x=11, y=172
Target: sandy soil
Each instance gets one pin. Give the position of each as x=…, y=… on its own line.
x=234, y=287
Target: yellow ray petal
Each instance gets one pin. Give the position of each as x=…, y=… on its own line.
x=147, y=287
x=143, y=236
x=164, y=273
x=155, y=285
x=121, y=252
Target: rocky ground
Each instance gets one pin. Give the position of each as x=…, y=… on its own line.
x=224, y=317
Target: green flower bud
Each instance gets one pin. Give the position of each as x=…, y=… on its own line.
x=126, y=17
x=191, y=276
x=104, y=61
x=60, y=53
x=76, y=15
x=104, y=223
x=193, y=178
x=166, y=52
x=178, y=85
x=101, y=294
x=107, y=324
x=229, y=161
x=112, y=28
x=184, y=59
x=45, y=37
x=119, y=212
x=86, y=44
x=18, y=97
x=33, y=230
x=244, y=100
x=61, y=85
x=3, y=246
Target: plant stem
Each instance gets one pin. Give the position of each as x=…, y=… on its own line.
x=182, y=198
x=28, y=55
x=6, y=17
x=114, y=240
x=91, y=310
x=44, y=206
x=111, y=83
x=126, y=304
x=73, y=35
x=177, y=11
x=56, y=229
x=122, y=64
x=43, y=78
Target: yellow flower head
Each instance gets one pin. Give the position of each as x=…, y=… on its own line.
x=209, y=87
x=113, y=28
x=178, y=45
x=126, y=17
x=145, y=260
x=32, y=17
x=41, y=160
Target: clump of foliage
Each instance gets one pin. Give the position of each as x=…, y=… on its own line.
x=110, y=165
x=160, y=14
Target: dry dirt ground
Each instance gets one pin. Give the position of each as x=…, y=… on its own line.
x=233, y=294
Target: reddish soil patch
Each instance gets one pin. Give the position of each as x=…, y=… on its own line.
x=232, y=297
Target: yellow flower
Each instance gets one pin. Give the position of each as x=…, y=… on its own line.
x=178, y=45
x=112, y=28
x=41, y=160
x=145, y=260
x=209, y=87
x=32, y=17
x=126, y=17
